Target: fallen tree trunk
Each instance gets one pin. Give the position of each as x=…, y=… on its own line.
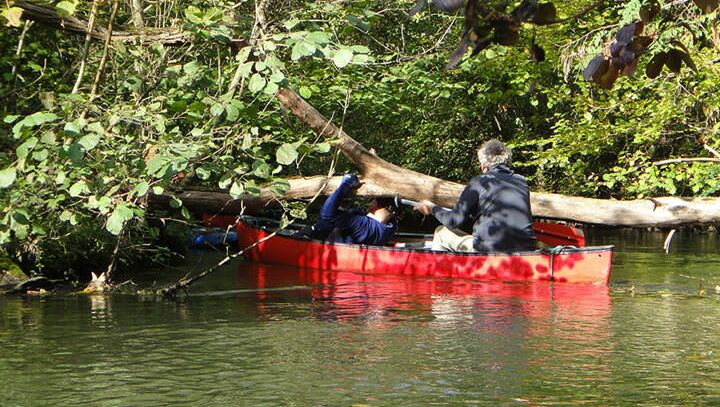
x=652, y=212
x=388, y=178
x=47, y=15
x=383, y=178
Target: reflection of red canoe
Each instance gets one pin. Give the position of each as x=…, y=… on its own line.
x=580, y=310
x=576, y=265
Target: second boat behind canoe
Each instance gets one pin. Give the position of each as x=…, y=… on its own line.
x=561, y=264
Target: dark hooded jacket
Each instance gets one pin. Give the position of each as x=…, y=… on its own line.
x=498, y=202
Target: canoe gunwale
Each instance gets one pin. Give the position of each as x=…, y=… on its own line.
x=545, y=251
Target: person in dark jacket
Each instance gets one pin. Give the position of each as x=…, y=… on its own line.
x=376, y=227
x=498, y=202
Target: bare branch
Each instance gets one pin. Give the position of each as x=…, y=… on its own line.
x=103, y=59
x=86, y=46
x=712, y=150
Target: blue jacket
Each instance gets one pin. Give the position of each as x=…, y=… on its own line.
x=351, y=226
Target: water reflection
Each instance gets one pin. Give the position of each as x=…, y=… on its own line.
x=347, y=296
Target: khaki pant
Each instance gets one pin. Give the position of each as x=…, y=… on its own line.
x=452, y=240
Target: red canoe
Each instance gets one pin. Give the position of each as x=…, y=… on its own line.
x=563, y=264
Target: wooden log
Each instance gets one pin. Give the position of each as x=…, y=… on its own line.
x=382, y=177
x=651, y=212
x=47, y=15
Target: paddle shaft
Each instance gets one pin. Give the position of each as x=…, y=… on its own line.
x=415, y=203
x=549, y=233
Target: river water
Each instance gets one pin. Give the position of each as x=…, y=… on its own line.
x=250, y=335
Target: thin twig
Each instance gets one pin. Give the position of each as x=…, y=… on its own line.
x=21, y=40
x=184, y=283
x=103, y=59
x=113, y=260
x=257, y=31
x=86, y=46
x=712, y=150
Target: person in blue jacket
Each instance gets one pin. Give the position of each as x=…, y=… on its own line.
x=498, y=204
x=374, y=227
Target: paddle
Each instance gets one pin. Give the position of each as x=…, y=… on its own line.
x=553, y=234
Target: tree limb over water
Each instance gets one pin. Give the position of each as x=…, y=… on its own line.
x=381, y=177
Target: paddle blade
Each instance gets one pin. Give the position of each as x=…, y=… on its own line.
x=555, y=234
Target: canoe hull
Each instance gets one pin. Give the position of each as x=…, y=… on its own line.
x=573, y=265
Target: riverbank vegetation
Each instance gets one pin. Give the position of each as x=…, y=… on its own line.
x=108, y=103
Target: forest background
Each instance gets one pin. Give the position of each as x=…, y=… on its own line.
x=169, y=94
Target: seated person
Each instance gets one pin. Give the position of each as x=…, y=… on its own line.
x=376, y=227
x=498, y=201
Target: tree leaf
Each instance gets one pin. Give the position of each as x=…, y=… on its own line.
x=305, y=92
x=674, y=60
x=597, y=65
x=342, y=57
x=175, y=202
x=245, y=69
x=89, y=142
x=257, y=83
x=290, y=24
x=202, y=173
x=24, y=149
x=13, y=15
x=117, y=219
x=358, y=23
x=322, y=148
x=141, y=188
x=65, y=8
x=236, y=190
x=271, y=88
x=654, y=67
x=78, y=189
x=280, y=187
x=286, y=154
x=11, y=118
x=302, y=49
x=7, y=177
x=318, y=37
x=33, y=120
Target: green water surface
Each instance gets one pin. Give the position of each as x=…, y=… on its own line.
x=253, y=335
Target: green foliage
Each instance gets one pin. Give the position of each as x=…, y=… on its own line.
x=74, y=170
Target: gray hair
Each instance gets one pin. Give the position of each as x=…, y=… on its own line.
x=494, y=152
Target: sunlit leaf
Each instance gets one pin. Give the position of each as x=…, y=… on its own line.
x=257, y=83
x=286, y=154
x=342, y=57
x=13, y=16
x=65, y=8
x=24, y=149
x=141, y=188
x=89, y=142
x=318, y=37
x=7, y=177
x=302, y=49
x=78, y=188
x=305, y=92
x=117, y=219
x=236, y=190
